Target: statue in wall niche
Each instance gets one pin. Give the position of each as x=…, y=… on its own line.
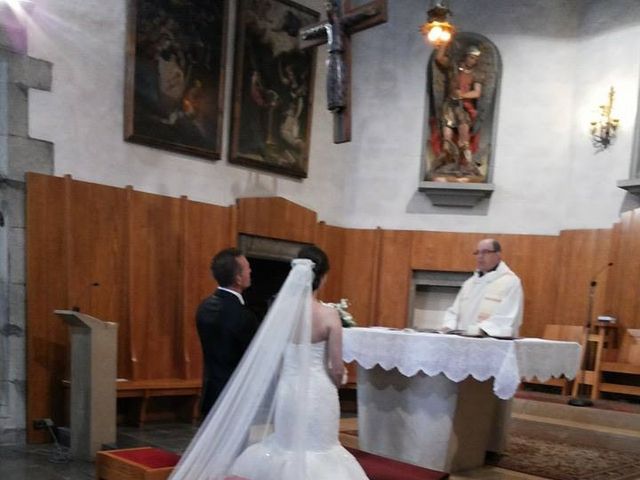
x=463, y=77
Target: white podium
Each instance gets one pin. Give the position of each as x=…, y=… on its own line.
x=94, y=345
x=438, y=401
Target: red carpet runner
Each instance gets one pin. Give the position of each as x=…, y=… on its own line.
x=380, y=468
x=376, y=467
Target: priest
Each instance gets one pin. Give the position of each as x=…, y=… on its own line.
x=490, y=302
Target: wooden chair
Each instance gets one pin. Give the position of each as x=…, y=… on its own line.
x=628, y=364
x=565, y=333
x=590, y=362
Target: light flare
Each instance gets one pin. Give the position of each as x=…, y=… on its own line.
x=19, y=7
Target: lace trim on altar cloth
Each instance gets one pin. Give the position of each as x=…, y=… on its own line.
x=507, y=361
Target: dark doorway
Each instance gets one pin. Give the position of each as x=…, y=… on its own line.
x=267, y=276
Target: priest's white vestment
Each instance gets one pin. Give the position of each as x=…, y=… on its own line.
x=491, y=302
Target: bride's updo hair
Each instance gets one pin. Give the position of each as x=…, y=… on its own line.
x=320, y=260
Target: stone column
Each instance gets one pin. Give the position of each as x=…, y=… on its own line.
x=18, y=154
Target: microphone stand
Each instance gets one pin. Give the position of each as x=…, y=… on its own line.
x=578, y=400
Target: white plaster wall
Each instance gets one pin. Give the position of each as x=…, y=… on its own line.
x=608, y=55
x=559, y=57
x=546, y=173
x=83, y=116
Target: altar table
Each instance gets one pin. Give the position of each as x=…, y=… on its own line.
x=438, y=400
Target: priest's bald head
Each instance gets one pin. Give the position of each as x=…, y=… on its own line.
x=487, y=255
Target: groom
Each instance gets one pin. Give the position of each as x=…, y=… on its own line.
x=225, y=325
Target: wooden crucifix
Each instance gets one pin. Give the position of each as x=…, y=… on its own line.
x=342, y=22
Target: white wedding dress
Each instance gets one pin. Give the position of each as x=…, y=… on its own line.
x=324, y=457
x=278, y=417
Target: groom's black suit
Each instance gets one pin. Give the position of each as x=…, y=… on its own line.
x=226, y=328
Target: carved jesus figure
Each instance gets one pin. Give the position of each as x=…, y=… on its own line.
x=335, y=30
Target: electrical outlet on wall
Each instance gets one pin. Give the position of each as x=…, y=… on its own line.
x=42, y=423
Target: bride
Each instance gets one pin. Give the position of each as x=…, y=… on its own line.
x=278, y=417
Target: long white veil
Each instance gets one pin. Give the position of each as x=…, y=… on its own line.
x=244, y=412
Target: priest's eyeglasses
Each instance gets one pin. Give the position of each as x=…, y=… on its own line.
x=483, y=252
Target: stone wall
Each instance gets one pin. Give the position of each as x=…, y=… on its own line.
x=18, y=154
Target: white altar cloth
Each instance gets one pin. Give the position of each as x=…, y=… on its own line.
x=457, y=357
x=429, y=399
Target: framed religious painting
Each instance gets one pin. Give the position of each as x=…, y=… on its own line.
x=174, y=92
x=273, y=88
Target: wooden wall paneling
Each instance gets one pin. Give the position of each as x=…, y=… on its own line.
x=68, y=240
x=154, y=283
x=375, y=277
x=206, y=233
x=628, y=284
x=233, y=225
x=394, y=280
x=613, y=273
x=46, y=337
x=600, y=271
x=331, y=240
x=626, y=306
x=131, y=332
x=97, y=273
x=184, y=361
x=568, y=307
x=359, y=266
x=534, y=259
x=276, y=217
x=582, y=255
x=444, y=251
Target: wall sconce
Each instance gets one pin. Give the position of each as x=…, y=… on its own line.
x=603, y=130
x=437, y=29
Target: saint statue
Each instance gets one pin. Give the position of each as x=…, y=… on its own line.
x=463, y=78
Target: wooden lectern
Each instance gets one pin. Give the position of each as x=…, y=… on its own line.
x=94, y=345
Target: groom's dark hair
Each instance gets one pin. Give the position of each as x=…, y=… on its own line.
x=320, y=260
x=225, y=267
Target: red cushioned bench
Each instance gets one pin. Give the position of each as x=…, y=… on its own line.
x=148, y=463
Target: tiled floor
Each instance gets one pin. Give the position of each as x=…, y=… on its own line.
x=42, y=462
x=39, y=461
x=34, y=462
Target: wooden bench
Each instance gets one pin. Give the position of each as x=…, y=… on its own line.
x=628, y=364
x=162, y=387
